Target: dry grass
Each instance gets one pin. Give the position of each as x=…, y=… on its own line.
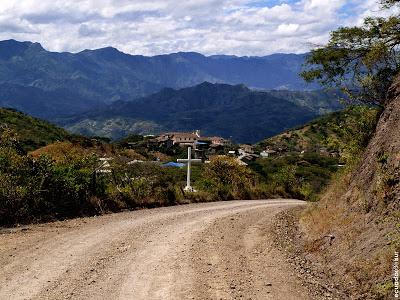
x=318, y=220
x=361, y=252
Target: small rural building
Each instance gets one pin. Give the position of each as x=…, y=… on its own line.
x=215, y=140
x=246, y=148
x=184, y=138
x=268, y=153
x=189, y=139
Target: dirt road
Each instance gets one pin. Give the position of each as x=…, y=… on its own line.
x=219, y=250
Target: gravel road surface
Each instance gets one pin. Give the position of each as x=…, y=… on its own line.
x=220, y=250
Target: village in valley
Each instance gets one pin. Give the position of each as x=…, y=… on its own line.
x=301, y=159
x=167, y=147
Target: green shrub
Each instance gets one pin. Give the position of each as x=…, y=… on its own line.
x=226, y=179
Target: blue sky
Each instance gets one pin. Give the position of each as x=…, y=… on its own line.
x=239, y=27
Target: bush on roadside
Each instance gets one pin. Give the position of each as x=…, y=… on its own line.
x=225, y=179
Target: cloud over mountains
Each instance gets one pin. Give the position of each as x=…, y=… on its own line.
x=241, y=27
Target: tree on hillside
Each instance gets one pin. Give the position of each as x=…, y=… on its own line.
x=362, y=61
x=389, y=3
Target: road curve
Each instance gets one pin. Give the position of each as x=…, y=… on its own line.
x=220, y=250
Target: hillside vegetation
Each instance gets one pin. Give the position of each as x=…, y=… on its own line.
x=32, y=133
x=308, y=157
x=341, y=133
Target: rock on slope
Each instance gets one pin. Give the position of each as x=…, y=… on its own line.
x=361, y=213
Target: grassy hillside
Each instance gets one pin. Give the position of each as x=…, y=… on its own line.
x=340, y=132
x=307, y=157
x=33, y=133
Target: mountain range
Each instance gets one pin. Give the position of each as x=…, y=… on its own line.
x=231, y=111
x=91, y=78
x=110, y=93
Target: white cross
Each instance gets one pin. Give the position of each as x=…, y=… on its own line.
x=189, y=162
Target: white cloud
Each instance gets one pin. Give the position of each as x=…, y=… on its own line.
x=287, y=29
x=163, y=26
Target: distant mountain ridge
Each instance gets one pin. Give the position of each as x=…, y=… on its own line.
x=231, y=111
x=89, y=79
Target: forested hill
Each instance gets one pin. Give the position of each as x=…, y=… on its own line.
x=32, y=133
x=50, y=84
x=217, y=109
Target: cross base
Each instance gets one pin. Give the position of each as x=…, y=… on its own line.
x=189, y=161
x=189, y=189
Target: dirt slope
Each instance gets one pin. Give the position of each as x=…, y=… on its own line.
x=361, y=213
x=200, y=251
x=375, y=185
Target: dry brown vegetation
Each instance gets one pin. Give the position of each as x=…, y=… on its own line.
x=60, y=151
